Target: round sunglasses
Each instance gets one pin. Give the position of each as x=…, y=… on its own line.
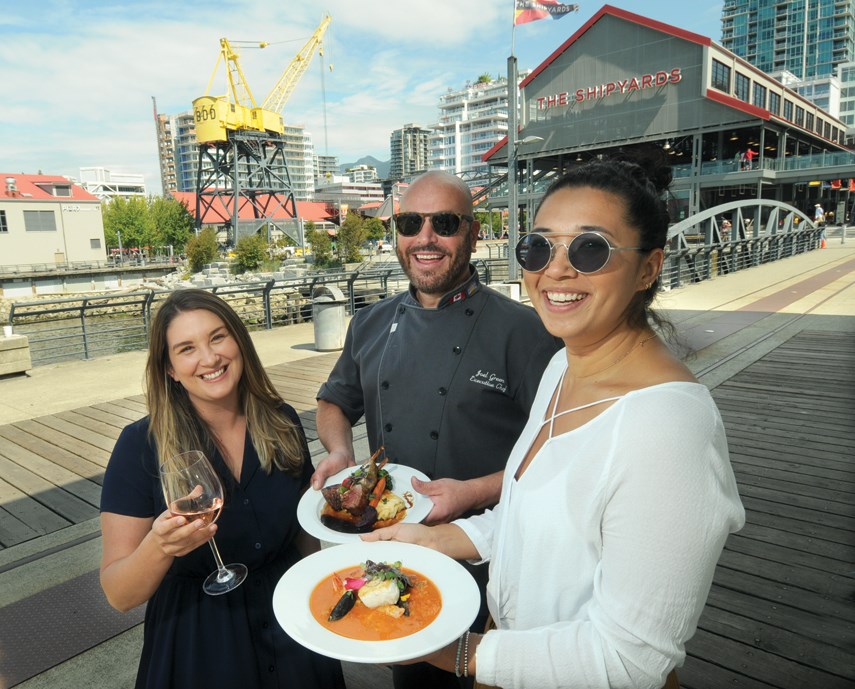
x=444, y=223
x=586, y=253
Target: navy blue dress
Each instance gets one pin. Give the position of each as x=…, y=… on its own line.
x=192, y=639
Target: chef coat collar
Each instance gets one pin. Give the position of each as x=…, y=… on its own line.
x=461, y=293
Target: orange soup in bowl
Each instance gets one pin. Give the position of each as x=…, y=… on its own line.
x=423, y=603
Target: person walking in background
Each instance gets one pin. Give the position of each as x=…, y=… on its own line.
x=819, y=220
x=619, y=495
x=445, y=373
x=749, y=159
x=206, y=390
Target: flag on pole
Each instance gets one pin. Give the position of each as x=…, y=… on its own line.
x=532, y=10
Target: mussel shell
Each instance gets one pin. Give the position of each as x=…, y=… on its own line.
x=344, y=606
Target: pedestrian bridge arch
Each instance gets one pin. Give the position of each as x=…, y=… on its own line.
x=761, y=230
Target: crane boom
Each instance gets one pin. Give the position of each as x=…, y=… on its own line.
x=216, y=116
x=238, y=86
x=285, y=86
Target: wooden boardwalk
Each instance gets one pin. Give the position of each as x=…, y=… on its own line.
x=51, y=467
x=780, y=614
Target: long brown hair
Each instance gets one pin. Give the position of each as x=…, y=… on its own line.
x=174, y=424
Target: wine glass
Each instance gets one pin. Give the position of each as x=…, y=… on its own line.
x=193, y=490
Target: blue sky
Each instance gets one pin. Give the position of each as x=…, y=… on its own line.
x=79, y=75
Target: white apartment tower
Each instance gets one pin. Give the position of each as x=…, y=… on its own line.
x=326, y=167
x=471, y=121
x=409, y=149
x=362, y=173
x=186, y=151
x=300, y=159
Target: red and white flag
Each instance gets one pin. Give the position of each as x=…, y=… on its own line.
x=532, y=10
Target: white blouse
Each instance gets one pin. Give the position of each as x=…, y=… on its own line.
x=602, y=554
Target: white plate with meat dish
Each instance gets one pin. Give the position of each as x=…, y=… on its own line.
x=307, y=593
x=314, y=518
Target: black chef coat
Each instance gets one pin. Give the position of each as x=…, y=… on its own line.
x=445, y=390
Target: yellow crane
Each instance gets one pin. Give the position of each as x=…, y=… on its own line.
x=216, y=116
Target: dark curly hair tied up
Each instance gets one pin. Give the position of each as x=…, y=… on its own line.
x=640, y=177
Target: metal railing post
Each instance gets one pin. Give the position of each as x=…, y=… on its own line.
x=265, y=300
x=83, y=328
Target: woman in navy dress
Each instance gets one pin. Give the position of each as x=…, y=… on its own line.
x=206, y=389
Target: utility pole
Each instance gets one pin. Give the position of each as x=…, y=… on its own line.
x=513, y=217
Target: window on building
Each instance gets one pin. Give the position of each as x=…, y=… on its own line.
x=760, y=96
x=819, y=124
x=826, y=130
x=774, y=103
x=39, y=221
x=62, y=190
x=741, y=86
x=788, y=110
x=95, y=243
x=720, y=76
x=4, y=227
x=808, y=120
x=800, y=116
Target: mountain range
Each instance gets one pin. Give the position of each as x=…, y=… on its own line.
x=382, y=166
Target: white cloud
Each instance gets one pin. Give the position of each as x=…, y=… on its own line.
x=78, y=76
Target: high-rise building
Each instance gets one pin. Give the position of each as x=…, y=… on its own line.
x=808, y=38
x=846, y=75
x=409, y=148
x=471, y=121
x=186, y=151
x=326, y=167
x=166, y=151
x=178, y=151
x=300, y=159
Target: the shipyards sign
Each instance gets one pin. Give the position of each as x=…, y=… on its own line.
x=619, y=86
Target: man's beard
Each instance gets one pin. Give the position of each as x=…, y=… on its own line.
x=440, y=281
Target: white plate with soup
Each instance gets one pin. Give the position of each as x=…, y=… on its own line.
x=442, y=603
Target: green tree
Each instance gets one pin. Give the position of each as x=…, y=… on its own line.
x=350, y=238
x=250, y=251
x=374, y=228
x=484, y=218
x=202, y=249
x=172, y=221
x=321, y=247
x=131, y=218
x=485, y=79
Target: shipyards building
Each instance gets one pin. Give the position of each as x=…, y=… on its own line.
x=622, y=80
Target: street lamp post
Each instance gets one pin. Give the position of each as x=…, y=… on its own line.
x=513, y=205
x=512, y=148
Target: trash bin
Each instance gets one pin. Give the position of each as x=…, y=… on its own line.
x=328, y=309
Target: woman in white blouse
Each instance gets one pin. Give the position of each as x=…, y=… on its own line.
x=619, y=495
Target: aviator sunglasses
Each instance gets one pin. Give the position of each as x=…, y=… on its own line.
x=445, y=223
x=587, y=253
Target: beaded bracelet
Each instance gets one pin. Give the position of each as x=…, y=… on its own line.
x=457, y=659
x=466, y=656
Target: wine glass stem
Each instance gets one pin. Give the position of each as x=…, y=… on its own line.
x=223, y=574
